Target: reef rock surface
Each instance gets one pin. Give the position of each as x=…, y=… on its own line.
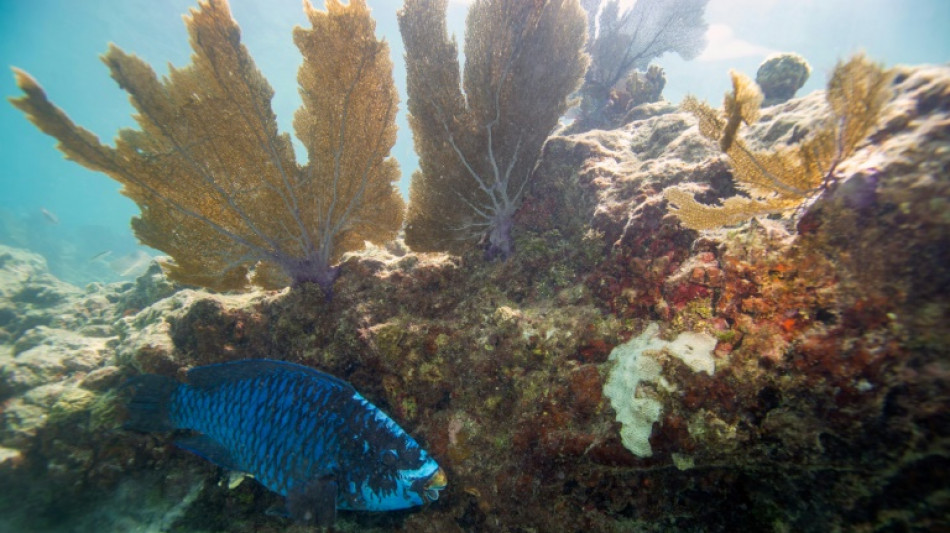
x=784, y=374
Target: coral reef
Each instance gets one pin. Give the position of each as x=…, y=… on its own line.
x=219, y=187
x=779, y=179
x=58, y=369
x=645, y=87
x=638, y=97
x=627, y=39
x=780, y=76
x=824, y=405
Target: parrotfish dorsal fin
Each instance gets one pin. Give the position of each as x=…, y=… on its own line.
x=207, y=377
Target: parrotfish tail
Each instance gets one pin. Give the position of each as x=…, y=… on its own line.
x=148, y=406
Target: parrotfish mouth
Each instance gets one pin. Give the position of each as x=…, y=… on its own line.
x=436, y=483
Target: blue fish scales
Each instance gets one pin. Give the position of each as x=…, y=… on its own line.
x=303, y=434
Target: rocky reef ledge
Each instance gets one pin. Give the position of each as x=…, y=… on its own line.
x=618, y=373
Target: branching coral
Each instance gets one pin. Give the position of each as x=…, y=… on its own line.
x=219, y=187
x=477, y=148
x=781, y=179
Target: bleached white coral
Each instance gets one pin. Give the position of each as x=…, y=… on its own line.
x=636, y=362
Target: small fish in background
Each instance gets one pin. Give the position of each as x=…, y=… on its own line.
x=303, y=434
x=49, y=216
x=100, y=255
x=131, y=265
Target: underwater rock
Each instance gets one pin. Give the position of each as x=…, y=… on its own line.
x=818, y=332
x=54, y=335
x=827, y=408
x=147, y=289
x=57, y=373
x=645, y=87
x=780, y=76
x=44, y=354
x=637, y=97
x=29, y=294
x=151, y=340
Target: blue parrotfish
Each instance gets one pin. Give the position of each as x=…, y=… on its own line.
x=303, y=434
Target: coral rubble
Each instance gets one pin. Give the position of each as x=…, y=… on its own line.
x=824, y=404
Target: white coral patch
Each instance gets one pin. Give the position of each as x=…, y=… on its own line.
x=636, y=363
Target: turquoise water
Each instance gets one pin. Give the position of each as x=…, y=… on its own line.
x=71, y=215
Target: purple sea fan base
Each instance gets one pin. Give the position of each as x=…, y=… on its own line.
x=860, y=192
x=499, y=239
x=311, y=270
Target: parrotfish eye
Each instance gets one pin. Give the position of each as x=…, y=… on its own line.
x=389, y=458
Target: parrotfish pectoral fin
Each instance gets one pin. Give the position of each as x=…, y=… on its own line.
x=210, y=449
x=235, y=478
x=278, y=509
x=314, y=503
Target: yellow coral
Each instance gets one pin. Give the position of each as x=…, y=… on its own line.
x=219, y=187
x=701, y=216
x=857, y=93
x=781, y=179
x=741, y=105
